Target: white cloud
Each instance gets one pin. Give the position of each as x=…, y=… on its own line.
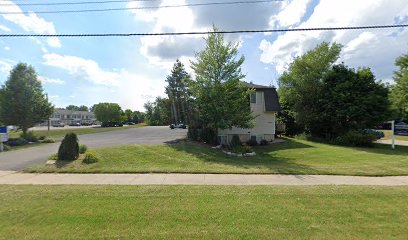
x=30, y=22
x=83, y=68
x=46, y=80
x=4, y=28
x=7, y=48
x=128, y=89
x=373, y=48
x=163, y=51
x=291, y=13
x=6, y=65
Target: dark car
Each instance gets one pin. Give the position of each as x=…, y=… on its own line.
x=377, y=133
x=74, y=124
x=182, y=125
x=130, y=123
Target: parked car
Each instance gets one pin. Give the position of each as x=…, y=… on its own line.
x=182, y=125
x=378, y=134
x=172, y=126
x=74, y=124
x=130, y=123
x=86, y=124
x=111, y=124
x=60, y=124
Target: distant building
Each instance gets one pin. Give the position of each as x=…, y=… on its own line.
x=67, y=117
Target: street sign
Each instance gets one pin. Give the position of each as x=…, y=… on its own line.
x=3, y=134
x=401, y=129
x=3, y=137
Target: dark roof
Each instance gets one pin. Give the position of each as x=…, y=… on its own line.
x=256, y=86
x=270, y=95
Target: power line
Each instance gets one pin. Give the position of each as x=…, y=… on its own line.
x=74, y=3
x=148, y=7
x=208, y=32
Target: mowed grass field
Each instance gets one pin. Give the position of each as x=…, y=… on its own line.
x=291, y=157
x=203, y=212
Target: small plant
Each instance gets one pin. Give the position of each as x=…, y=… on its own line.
x=252, y=142
x=90, y=158
x=41, y=138
x=264, y=142
x=47, y=140
x=29, y=136
x=356, y=138
x=69, y=148
x=6, y=147
x=246, y=149
x=82, y=148
x=235, y=142
x=13, y=142
x=53, y=157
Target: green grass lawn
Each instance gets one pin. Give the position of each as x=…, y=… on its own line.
x=291, y=157
x=387, y=136
x=57, y=134
x=203, y=212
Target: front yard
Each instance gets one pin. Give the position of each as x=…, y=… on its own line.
x=291, y=157
x=203, y=212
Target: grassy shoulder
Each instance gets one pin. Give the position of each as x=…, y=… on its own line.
x=291, y=157
x=203, y=212
x=387, y=136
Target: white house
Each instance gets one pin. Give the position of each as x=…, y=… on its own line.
x=264, y=104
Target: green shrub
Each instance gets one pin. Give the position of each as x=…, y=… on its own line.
x=90, y=158
x=356, y=138
x=53, y=157
x=41, y=138
x=264, y=142
x=235, y=142
x=6, y=147
x=29, y=136
x=47, y=140
x=13, y=142
x=82, y=148
x=69, y=148
x=252, y=142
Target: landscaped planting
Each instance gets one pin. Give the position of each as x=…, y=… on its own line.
x=291, y=157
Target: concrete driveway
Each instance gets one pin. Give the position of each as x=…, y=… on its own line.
x=20, y=159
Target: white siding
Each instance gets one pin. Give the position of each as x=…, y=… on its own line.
x=264, y=125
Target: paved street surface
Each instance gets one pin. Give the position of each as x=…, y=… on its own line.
x=16, y=178
x=20, y=159
x=397, y=142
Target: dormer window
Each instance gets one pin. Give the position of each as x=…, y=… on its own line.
x=253, y=97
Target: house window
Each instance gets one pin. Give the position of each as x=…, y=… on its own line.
x=253, y=97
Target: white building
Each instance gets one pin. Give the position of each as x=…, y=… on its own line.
x=66, y=117
x=264, y=104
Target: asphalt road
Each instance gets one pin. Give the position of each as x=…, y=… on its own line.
x=20, y=159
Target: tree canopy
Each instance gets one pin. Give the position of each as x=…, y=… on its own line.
x=220, y=99
x=22, y=99
x=77, y=108
x=328, y=99
x=108, y=112
x=399, y=92
x=158, y=112
x=177, y=92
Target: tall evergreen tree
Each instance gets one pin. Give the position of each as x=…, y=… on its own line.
x=23, y=101
x=177, y=91
x=220, y=99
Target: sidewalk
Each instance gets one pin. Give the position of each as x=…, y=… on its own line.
x=17, y=178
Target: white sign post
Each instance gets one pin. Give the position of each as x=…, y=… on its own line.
x=392, y=134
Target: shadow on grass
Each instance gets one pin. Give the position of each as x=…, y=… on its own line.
x=61, y=163
x=265, y=158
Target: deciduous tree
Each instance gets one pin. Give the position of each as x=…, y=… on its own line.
x=23, y=101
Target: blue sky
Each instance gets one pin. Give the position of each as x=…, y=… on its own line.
x=131, y=71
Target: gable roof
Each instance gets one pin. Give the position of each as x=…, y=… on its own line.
x=270, y=95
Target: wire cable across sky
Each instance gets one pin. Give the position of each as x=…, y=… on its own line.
x=144, y=8
x=207, y=32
